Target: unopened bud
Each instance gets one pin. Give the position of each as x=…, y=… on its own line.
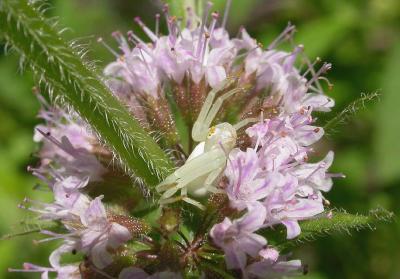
x=170, y=220
x=135, y=226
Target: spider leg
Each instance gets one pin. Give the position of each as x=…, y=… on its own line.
x=190, y=200
x=211, y=179
x=183, y=198
x=171, y=179
x=208, y=184
x=215, y=190
x=217, y=105
x=194, y=202
x=244, y=122
x=200, y=130
x=212, y=176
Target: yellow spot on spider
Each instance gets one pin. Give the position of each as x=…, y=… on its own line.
x=211, y=131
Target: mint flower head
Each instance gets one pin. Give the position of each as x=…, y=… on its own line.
x=243, y=161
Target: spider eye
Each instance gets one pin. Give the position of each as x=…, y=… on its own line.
x=211, y=131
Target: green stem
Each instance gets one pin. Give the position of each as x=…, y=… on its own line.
x=71, y=79
x=350, y=110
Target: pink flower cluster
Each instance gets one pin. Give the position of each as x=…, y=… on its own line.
x=269, y=181
x=273, y=183
x=67, y=165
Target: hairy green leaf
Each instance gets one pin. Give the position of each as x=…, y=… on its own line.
x=340, y=222
x=62, y=68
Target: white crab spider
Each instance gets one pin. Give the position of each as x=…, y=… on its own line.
x=208, y=159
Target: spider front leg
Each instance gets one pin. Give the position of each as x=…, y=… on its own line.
x=244, y=123
x=184, y=198
x=209, y=183
x=209, y=110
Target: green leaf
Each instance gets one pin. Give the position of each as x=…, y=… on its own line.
x=350, y=111
x=64, y=71
x=341, y=222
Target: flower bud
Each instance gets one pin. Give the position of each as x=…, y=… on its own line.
x=169, y=220
x=135, y=226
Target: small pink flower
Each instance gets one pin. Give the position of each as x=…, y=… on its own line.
x=100, y=235
x=271, y=266
x=286, y=206
x=315, y=175
x=238, y=239
x=247, y=184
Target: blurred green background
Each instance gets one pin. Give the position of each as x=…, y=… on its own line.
x=362, y=40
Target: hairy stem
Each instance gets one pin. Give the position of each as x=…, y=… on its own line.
x=350, y=110
x=339, y=222
x=78, y=84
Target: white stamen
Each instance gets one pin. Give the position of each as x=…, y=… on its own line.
x=157, y=24
x=288, y=31
x=240, y=31
x=335, y=175
x=146, y=29
x=101, y=41
x=144, y=60
x=311, y=66
x=56, y=142
x=324, y=68
x=33, y=209
x=190, y=17
x=215, y=17
x=134, y=38
x=173, y=27
x=293, y=56
x=54, y=236
x=208, y=36
x=246, y=53
x=226, y=13
x=311, y=69
x=203, y=23
x=123, y=44
x=166, y=15
x=330, y=85
x=26, y=200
